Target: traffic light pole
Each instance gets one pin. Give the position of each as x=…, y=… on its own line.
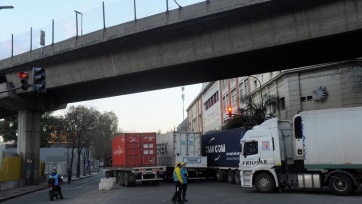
x=13, y=89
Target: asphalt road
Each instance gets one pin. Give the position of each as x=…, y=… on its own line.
x=210, y=192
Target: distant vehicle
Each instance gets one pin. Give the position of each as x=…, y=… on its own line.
x=222, y=149
x=181, y=146
x=134, y=159
x=322, y=149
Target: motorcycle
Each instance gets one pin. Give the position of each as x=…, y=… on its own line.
x=53, y=191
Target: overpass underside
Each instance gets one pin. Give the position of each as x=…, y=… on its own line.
x=200, y=43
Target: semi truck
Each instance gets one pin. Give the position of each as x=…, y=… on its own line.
x=181, y=146
x=321, y=148
x=134, y=159
x=222, y=150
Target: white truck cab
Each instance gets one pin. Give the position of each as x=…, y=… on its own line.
x=322, y=149
x=261, y=152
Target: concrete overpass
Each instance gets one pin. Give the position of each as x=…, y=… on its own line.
x=202, y=42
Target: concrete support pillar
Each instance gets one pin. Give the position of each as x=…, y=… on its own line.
x=29, y=145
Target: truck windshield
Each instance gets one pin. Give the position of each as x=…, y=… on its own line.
x=250, y=148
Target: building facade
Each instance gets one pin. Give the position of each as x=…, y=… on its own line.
x=309, y=88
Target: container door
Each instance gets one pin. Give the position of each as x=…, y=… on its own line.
x=194, y=144
x=133, y=150
x=180, y=143
x=149, y=150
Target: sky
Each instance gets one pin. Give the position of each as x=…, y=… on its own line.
x=142, y=112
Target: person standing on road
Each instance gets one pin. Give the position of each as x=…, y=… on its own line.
x=178, y=183
x=184, y=175
x=69, y=174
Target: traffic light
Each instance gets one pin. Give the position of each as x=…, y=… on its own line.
x=39, y=84
x=24, y=76
x=230, y=111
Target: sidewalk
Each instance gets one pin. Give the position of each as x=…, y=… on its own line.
x=16, y=192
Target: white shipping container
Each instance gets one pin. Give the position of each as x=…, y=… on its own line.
x=180, y=146
x=332, y=138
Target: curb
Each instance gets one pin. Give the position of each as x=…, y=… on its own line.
x=36, y=188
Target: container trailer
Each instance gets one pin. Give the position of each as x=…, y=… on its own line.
x=134, y=159
x=322, y=149
x=222, y=150
x=181, y=146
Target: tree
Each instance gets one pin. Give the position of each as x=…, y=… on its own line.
x=254, y=114
x=50, y=125
x=78, y=123
x=51, y=129
x=257, y=110
x=106, y=129
x=351, y=70
x=9, y=128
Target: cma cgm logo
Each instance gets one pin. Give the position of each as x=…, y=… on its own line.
x=215, y=148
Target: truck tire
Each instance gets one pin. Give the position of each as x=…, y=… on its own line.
x=341, y=184
x=264, y=183
x=220, y=175
x=231, y=176
x=237, y=177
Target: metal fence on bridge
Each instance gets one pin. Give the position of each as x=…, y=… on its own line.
x=84, y=22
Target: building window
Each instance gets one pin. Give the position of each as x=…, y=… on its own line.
x=273, y=108
x=224, y=83
x=241, y=89
x=303, y=99
x=309, y=98
x=282, y=103
x=227, y=102
x=223, y=102
x=246, y=87
x=212, y=100
x=233, y=97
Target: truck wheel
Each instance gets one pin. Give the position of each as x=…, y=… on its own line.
x=231, y=176
x=264, y=183
x=126, y=179
x=237, y=177
x=341, y=184
x=220, y=175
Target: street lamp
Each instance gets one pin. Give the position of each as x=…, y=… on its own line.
x=81, y=21
x=6, y=7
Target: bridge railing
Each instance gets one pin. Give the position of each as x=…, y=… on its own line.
x=104, y=16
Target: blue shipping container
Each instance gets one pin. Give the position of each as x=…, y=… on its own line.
x=222, y=148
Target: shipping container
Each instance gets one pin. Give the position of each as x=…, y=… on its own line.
x=222, y=150
x=181, y=146
x=134, y=150
x=134, y=158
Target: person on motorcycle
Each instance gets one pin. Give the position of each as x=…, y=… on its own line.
x=57, y=180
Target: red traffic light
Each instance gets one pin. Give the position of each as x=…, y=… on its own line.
x=23, y=75
x=230, y=111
